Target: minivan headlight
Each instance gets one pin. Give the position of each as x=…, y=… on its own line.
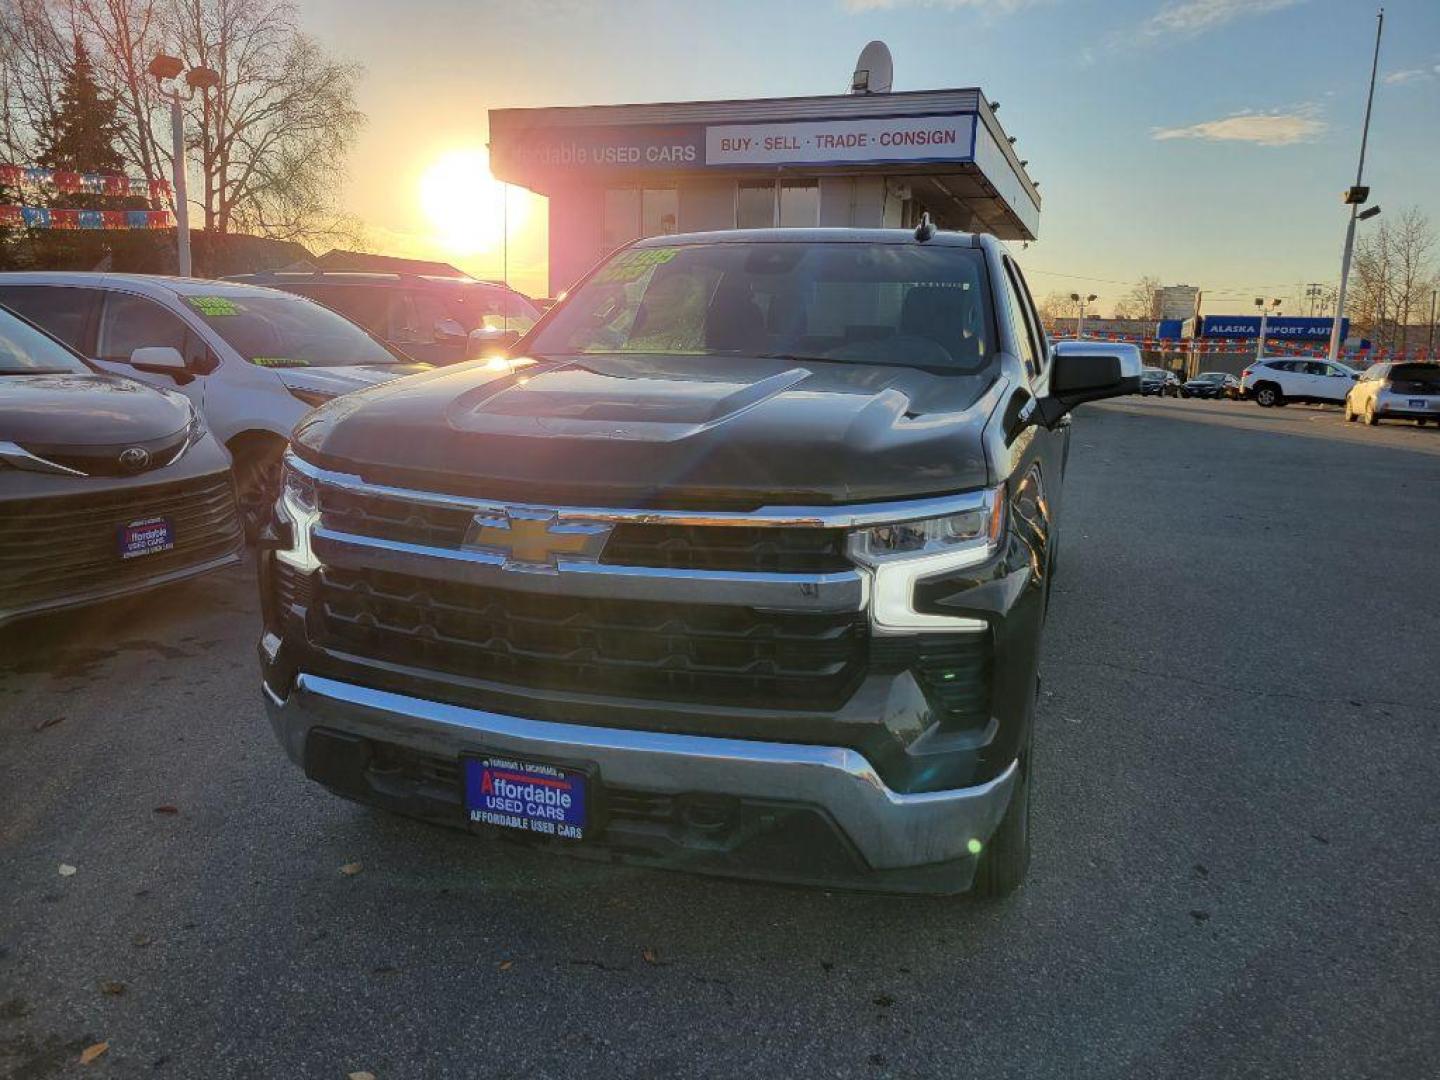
x=900, y=554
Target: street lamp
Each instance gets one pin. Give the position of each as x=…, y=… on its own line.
x=1264, y=316
x=167, y=69
x=1354, y=197
x=1082, y=301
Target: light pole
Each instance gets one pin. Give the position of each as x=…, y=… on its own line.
x=1264, y=317
x=167, y=68
x=1082, y=301
x=1355, y=197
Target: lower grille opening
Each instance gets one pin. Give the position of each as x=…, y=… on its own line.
x=641, y=649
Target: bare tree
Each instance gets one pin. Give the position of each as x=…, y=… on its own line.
x=127, y=36
x=36, y=41
x=1391, y=278
x=1141, y=302
x=1414, y=240
x=1058, y=305
x=273, y=135
x=271, y=138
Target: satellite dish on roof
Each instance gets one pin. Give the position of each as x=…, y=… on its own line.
x=874, y=71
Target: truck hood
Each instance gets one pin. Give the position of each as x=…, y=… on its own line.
x=342, y=380
x=701, y=432
x=86, y=410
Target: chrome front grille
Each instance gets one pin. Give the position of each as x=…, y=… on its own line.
x=768, y=549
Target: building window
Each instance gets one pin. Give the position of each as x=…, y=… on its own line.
x=755, y=204
x=630, y=213
x=620, y=219
x=659, y=211
x=791, y=204
x=799, y=204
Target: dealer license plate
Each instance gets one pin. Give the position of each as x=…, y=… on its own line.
x=531, y=796
x=145, y=537
x=1419, y=403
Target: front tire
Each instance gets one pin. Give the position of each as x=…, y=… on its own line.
x=256, y=467
x=1267, y=396
x=1006, y=858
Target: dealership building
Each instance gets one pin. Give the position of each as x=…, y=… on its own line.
x=613, y=173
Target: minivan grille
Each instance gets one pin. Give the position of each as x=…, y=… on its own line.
x=630, y=648
x=56, y=547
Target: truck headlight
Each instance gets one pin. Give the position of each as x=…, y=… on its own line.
x=299, y=488
x=299, y=502
x=902, y=553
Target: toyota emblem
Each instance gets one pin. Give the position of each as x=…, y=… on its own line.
x=134, y=458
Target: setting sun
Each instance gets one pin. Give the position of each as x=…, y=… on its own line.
x=466, y=205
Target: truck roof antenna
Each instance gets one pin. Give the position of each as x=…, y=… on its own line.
x=925, y=230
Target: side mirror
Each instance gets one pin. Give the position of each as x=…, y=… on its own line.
x=1082, y=371
x=159, y=360
x=449, y=332
x=489, y=342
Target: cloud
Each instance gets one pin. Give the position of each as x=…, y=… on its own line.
x=1262, y=129
x=1002, y=7
x=1196, y=16
x=1412, y=75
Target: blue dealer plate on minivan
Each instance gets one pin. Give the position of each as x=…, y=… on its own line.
x=531, y=796
x=145, y=537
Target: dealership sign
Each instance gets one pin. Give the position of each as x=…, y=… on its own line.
x=683, y=147
x=672, y=147
x=835, y=142
x=1281, y=326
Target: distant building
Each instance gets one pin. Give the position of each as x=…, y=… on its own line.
x=1177, y=302
x=613, y=173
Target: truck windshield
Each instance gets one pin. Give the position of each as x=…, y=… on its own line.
x=863, y=303
x=274, y=329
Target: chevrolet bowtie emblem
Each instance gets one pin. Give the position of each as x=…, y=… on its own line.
x=537, y=539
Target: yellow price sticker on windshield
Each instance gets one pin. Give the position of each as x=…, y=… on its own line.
x=279, y=361
x=633, y=264
x=214, y=305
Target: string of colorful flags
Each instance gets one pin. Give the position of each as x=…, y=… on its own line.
x=74, y=183
x=44, y=217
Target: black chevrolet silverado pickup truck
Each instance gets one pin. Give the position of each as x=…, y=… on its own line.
x=738, y=564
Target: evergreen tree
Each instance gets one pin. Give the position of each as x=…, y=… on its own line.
x=80, y=136
x=81, y=132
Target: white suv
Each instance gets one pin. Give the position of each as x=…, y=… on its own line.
x=1279, y=381
x=253, y=360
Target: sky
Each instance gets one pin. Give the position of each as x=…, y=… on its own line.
x=1203, y=142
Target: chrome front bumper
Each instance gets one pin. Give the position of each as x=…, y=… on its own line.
x=889, y=830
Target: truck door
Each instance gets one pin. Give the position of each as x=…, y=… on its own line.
x=1038, y=455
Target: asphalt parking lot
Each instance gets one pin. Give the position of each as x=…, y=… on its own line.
x=1237, y=868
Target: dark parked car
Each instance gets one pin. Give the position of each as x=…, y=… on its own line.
x=740, y=565
x=107, y=486
x=1211, y=384
x=1152, y=381
x=436, y=320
